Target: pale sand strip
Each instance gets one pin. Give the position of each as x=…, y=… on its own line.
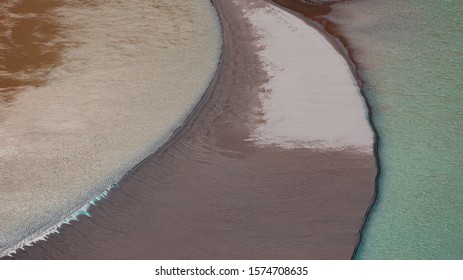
x=311, y=100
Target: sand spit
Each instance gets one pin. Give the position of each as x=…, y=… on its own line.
x=222, y=187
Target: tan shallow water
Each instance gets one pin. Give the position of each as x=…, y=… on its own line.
x=210, y=193
x=119, y=77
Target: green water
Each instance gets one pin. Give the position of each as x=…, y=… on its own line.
x=411, y=57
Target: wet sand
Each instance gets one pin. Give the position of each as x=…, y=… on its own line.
x=210, y=193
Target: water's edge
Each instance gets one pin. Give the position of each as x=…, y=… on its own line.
x=342, y=46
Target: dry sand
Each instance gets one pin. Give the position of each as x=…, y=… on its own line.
x=312, y=99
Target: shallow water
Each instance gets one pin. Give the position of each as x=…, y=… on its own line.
x=411, y=58
x=113, y=90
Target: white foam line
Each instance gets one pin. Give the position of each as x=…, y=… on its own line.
x=43, y=235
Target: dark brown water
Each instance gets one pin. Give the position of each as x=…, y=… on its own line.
x=210, y=194
x=28, y=47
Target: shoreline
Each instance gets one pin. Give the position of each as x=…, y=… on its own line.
x=333, y=32
x=188, y=126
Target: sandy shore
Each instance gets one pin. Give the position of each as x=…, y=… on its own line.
x=219, y=189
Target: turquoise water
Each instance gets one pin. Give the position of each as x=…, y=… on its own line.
x=411, y=57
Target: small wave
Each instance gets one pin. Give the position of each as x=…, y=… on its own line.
x=43, y=236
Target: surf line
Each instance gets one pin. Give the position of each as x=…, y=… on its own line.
x=43, y=235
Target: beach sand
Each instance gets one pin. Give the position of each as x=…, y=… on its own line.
x=219, y=190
